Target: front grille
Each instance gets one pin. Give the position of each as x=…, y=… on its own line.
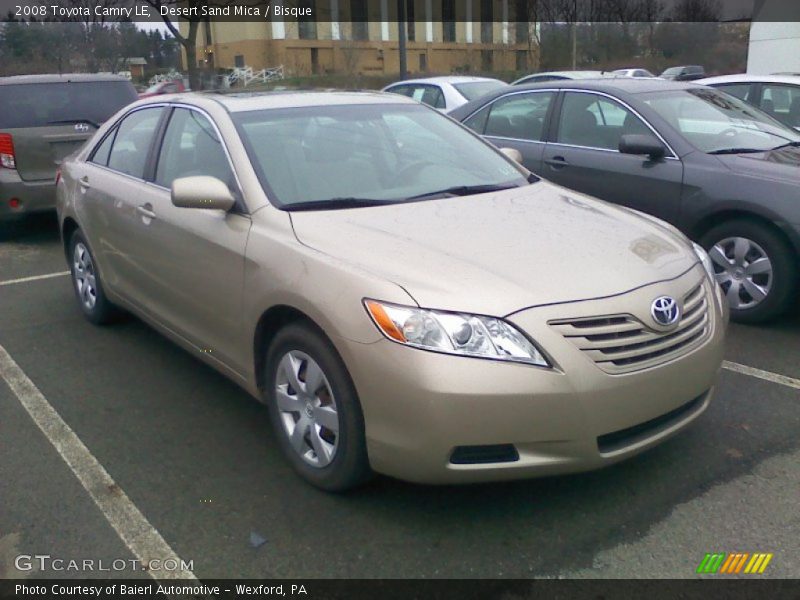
x=619, y=440
x=622, y=343
x=478, y=455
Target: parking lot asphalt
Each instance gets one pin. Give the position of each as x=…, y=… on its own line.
x=194, y=454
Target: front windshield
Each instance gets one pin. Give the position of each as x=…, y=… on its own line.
x=716, y=122
x=384, y=152
x=476, y=89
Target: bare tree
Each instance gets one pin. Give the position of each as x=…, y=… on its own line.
x=688, y=11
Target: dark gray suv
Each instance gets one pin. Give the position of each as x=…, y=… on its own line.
x=722, y=171
x=43, y=119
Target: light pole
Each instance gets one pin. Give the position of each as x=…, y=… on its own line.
x=401, y=36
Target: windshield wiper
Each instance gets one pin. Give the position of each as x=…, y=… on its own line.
x=789, y=145
x=68, y=121
x=463, y=190
x=336, y=203
x=738, y=151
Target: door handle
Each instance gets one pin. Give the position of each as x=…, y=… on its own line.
x=146, y=210
x=557, y=162
x=84, y=182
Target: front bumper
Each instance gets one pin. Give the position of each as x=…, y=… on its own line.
x=419, y=406
x=34, y=196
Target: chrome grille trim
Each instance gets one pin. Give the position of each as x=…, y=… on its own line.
x=622, y=343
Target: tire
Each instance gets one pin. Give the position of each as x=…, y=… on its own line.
x=334, y=461
x=735, y=247
x=86, y=283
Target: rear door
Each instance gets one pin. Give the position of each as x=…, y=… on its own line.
x=111, y=189
x=517, y=120
x=584, y=155
x=49, y=121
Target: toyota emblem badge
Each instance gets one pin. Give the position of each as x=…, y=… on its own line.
x=665, y=310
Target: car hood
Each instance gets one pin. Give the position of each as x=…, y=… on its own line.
x=782, y=164
x=500, y=252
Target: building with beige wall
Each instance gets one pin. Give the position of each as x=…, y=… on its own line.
x=361, y=37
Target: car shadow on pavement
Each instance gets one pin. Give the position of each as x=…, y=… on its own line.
x=30, y=229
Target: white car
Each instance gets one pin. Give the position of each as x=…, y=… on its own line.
x=445, y=93
x=561, y=75
x=633, y=73
x=776, y=95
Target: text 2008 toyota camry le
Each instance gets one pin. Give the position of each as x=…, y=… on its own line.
x=405, y=298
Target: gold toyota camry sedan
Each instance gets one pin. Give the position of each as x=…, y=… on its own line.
x=405, y=298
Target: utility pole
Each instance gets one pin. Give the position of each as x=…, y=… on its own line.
x=401, y=36
x=575, y=36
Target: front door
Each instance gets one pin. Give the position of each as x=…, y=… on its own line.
x=194, y=258
x=585, y=156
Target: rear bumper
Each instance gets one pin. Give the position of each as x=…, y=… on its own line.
x=34, y=196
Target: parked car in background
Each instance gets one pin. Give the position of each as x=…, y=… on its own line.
x=362, y=275
x=633, y=73
x=776, y=95
x=561, y=76
x=686, y=73
x=719, y=169
x=165, y=87
x=445, y=93
x=43, y=118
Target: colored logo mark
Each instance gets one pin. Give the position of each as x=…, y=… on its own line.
x=734, y=563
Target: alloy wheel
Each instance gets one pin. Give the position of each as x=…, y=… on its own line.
x=84, y=276
x=307, y=408
x=744, y=270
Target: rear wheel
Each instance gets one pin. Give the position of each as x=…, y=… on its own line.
x=755, y=267
x=314, y=409
x=86, y=283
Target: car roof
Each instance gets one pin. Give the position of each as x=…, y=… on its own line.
x=571, y=74
x=246, y=101
x=745, y=78
x=630, y=85
x=55, y=78
x=444, y=79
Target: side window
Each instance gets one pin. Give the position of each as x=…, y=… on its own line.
x=191, y=147
x=100, y=155
x=133, y=140
x=740, y=90
x=782, y=102
x=477, y=122
x=520, y=116
x=403, y=90
x=433, y=96
x=596, y=122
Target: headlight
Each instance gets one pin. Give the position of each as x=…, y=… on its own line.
x=454, y=333
x=704, y=258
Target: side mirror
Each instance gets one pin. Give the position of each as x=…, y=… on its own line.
x=642, y=144
x=513, y=154
x=202, y=191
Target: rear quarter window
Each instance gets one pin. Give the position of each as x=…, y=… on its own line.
x=41, y=104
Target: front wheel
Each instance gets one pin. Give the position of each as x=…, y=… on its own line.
x=755, y=267
x=314, y=410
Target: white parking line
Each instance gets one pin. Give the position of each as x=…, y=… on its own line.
x=136, y=532
x=760, y=374
x=33, y=278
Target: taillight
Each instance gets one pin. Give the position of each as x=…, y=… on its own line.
x=7, y=158
x=58, y=176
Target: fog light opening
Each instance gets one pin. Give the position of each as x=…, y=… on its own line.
x=480, y=455
x=15, y=203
